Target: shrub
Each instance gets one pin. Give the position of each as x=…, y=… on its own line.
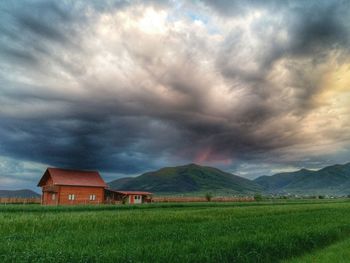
x=208, y=196
x=258, y=197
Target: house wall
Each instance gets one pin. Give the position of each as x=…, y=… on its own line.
x=47, y=196
x=114, y=198
x=133, y=200
x=48, y=200
x=82, y=195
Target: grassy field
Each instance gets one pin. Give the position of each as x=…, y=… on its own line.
x=294, y=231
x=338, y=252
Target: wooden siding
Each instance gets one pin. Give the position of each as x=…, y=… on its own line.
x=82, y=195
x=47, y=198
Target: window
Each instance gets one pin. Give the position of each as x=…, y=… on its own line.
x=92, y=197
x=137, y=197
x=53, y=197
x=71, y=197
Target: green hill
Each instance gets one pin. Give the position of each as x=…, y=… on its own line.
x=189, y=178
x=333, y=179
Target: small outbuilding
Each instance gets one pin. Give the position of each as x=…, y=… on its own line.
x=71, y=187
x=127, y=197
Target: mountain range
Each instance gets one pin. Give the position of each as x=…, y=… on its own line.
x=23, y=193
x=193, y=179
x=333, y=180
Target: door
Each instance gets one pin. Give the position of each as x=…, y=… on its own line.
x=138, y=199
x=131, y=199
x=51, y=198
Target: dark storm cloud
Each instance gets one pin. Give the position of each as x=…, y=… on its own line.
x=43, y=20
x=74, y=143
x=126, y=87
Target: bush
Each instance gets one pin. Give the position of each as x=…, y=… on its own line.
x=258, y=197
x=208, y=196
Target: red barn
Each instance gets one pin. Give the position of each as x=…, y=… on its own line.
x=71, y=187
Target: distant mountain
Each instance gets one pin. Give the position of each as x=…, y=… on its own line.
x=193, y=179
x=189, y=178
x=24, y=193
x=333, y=179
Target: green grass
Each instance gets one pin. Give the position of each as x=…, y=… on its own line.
x=200, y=232
x=338, y=252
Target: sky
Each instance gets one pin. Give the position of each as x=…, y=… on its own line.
x=125, y=87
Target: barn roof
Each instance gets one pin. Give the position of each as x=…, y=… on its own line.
x=72, y=177
x=129, y=192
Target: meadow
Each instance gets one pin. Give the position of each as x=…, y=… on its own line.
x=293, y=231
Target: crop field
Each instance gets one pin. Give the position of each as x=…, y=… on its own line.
x=303, y=231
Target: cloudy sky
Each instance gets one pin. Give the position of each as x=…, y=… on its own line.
x=124, y=87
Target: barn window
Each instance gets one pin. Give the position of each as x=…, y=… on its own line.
x=71, y=197
x=92, y=197
x=53, y=197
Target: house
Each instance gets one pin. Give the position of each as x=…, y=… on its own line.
x=71, y=187
x=127, y=197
